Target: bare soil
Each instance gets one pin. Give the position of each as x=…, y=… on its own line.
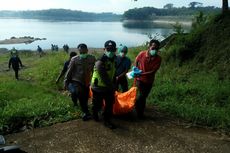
x=157, y=133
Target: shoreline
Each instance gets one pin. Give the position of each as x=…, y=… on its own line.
x=186, y=23
x=20, y=40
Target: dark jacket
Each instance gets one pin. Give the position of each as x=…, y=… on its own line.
x=15, y=62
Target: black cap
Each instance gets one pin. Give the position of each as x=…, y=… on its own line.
x=82, y=46
x=110, y=45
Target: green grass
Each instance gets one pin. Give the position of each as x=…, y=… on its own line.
x=193, y=93
x=34, y=98
x=193, y=82
x=198, y=97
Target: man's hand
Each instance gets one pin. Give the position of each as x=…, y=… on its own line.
x=117, y=78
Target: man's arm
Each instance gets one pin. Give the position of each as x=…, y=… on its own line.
x=68, y=76
x=64, y=70
x=20, y=62
x=60, y=75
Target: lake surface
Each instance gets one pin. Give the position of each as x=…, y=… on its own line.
x=94, y=34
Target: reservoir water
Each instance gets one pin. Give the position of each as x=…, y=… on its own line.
x=94, y=34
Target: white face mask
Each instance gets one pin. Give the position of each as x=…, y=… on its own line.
x=109, y=54
x=153, y=52
x=122, y=54
x=83, y=55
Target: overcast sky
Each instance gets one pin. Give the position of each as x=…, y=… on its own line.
x=116, y=6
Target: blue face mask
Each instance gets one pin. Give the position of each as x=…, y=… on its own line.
x=83, y=55
x=109, y=54
x=153, y=52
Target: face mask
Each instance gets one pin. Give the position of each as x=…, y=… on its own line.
x=83, y=55
x=153, y=52
x=109, y=54
x=122, y=54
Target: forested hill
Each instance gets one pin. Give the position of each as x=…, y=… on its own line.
x=145, y=13
x=151, y=13
x=61, y=15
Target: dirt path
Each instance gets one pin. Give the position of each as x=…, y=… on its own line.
x=156, y=134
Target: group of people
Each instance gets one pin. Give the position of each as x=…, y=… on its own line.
x=54, y=47
x=66, y=48
x=106, y=75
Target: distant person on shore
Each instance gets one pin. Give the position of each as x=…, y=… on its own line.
x=52, y=47
x=40, y=51
x=78, y=77
x=56, y=47
x=103, y=85
x=123, y=64
x=148, y=62
x=62, y=73
x=15, y=61
x=66, y=48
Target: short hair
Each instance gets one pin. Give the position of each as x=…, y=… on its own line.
x=110, y=45
x=156, y=42
x=82, y=46
x=72, y=54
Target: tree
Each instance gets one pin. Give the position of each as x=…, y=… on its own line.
x=195, y=4
x=177, y=28
x=225, y=6
x=168, y=6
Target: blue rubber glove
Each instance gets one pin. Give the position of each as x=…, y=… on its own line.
x=135, y=71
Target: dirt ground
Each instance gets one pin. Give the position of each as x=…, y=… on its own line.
x=157, y=133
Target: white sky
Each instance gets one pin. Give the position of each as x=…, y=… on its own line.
x=116, y=6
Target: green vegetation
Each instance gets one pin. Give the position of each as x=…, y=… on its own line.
x=61, y=15
x=145, y=13
x=151, y=13
x=193, y=82
x=35, y=100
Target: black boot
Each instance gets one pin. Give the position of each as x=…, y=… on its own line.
x=86, y=117
x=110, y=125
x=95, y=116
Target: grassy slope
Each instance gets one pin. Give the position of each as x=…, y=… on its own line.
x=34, y=100
x=193, y=83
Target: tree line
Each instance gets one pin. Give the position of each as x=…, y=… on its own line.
x=145, y=13
x=150, y=13
x=61, y=15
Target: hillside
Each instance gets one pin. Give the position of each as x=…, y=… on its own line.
x=61, y=15
x=151, y=13
x=207, y=47
x=193, y=82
